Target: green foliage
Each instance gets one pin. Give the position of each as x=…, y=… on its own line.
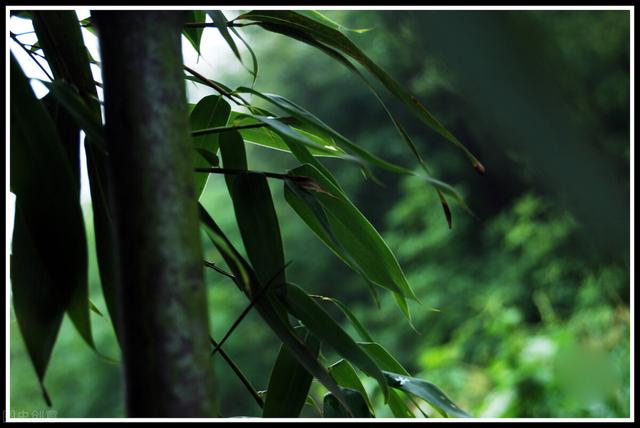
x=517, y=317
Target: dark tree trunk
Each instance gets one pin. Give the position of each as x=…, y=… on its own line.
x=163, y=316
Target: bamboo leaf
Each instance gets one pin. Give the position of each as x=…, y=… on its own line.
x=209, y=112
x=289, y=382
x=427, y=391
x=346, y=376
x=333, y=409
x=48, y=222
x=242, y=270
x=194, y=34
x=364, y=244
x=304, y=308
x=294, y=24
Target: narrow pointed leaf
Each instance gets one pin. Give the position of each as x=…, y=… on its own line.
x=289, y=382
x=427, y=391
x=194, y=34
x=211, y=111
x=356, y=234
x=304, y=308
x=286, y=21
x=48, y=222
x=243, y=271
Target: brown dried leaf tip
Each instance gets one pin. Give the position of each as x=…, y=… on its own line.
x=308, y=183
x=478, y=167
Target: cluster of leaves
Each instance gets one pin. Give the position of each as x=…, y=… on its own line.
x=45, y=288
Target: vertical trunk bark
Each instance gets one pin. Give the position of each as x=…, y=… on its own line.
x=163, y=306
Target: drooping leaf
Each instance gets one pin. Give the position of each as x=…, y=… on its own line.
x=210, y=111
x=49, y=254
x=427, y=391
x=194, y=34
x=291, y=23
x=333, y=409
x=355, y=233
x=320, y=17
x=63, y=45
x=289, y=382
x=346, y=376
x=304, y=308
x=221, y=24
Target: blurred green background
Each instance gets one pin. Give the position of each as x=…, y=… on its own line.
x=525, y=307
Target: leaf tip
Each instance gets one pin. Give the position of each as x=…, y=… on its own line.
x=477, y=165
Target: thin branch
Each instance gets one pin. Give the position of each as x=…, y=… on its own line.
x=215, y=86
x=221, y=271
x=230, y=171
x=31, y=54
x=219, y=129
x=247, y=309
x=240, y=375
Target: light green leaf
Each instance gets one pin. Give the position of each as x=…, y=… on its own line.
x=320, y=17
x=346, y=376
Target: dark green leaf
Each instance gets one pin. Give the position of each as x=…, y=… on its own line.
x=194, y=34
x=265, y=307
x=292, y=23
x=304, y=308
x=333, y=409
x=62, y=42
x=364, y=334
x=289, y=382
x=211, y=111
x=355, y=233
x=49, y=254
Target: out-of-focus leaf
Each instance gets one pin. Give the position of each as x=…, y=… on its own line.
x=355, y=233
x=209, y=156
x=427, y=391
x=346, y=376
x=333, y=409
x=194, y=34
x=292, y=23
x=211, y=111
x=289, y=382
x=49, y=253
x=243, y=272
x=304, y=308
